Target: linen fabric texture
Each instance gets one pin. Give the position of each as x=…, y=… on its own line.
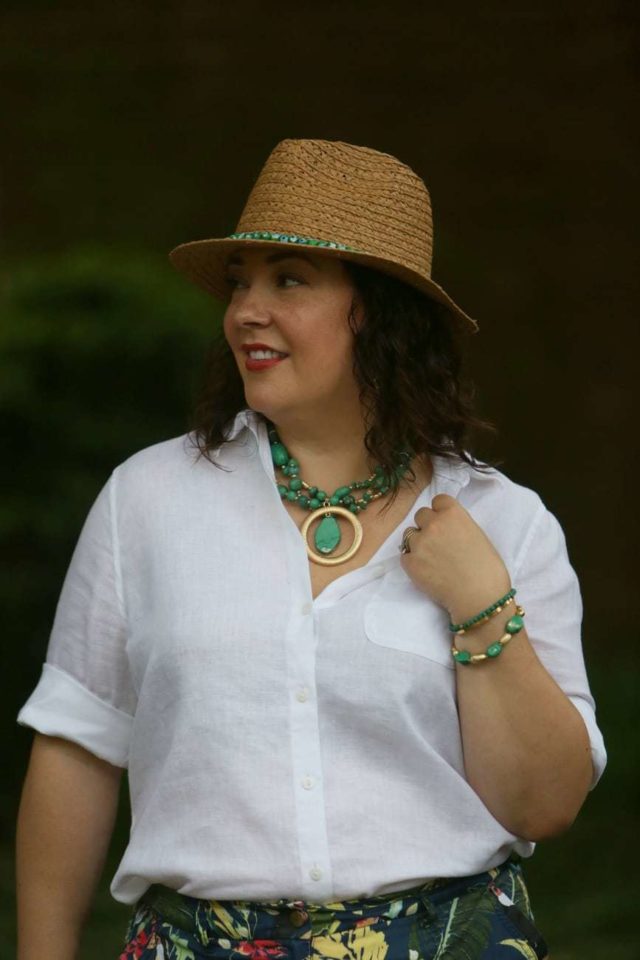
x=277, y=745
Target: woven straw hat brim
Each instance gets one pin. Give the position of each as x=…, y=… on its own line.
x=204, y=263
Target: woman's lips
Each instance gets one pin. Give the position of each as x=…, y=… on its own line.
x=256, y=365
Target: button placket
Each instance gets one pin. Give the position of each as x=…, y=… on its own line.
x=298, y=918
x=301, y=639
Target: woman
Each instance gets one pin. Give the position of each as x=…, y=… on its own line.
x=304, y=643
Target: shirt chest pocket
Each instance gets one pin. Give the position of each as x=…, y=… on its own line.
x=401, y=617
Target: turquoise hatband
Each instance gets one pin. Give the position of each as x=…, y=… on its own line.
x=289, y=238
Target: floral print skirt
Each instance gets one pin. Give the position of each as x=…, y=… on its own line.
x=483, y=917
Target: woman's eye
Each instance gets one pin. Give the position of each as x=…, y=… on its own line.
x=288, y=276
x=234, y=282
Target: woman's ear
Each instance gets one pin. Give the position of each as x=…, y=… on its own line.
x=356, y=313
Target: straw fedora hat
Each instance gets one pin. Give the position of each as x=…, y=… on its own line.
x=341, y=200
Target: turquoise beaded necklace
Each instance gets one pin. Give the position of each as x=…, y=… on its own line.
x=344, y=502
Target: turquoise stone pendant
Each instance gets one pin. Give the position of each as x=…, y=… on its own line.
x=327, y=535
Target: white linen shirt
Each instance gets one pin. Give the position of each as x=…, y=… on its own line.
x=276, y=745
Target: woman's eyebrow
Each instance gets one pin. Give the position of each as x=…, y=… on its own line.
x=236, y=259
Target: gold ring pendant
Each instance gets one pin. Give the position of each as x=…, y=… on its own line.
x=357, y=535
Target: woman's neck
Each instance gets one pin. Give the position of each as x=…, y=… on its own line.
x=331, y=455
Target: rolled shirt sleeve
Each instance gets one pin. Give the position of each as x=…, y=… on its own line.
x=85, y=693
x=549, y=591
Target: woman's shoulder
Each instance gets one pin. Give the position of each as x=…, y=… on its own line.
x=483, y=480
x=178, y=470
x=177, y=455
x=157, y=483
x=490, y=494
x=173, y=454
x=158, y=474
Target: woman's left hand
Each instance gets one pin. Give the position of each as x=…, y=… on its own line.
x=452, y=560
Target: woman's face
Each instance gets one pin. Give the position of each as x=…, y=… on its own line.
x=296, y=303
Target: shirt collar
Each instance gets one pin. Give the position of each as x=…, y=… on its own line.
x=253, y=422
x=456, y=472
x=452, y=470
x=245, y=418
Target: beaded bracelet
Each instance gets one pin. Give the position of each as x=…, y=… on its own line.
x=484, y=615
x=513, y=626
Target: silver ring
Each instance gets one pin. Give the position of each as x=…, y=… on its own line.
x=406, y=536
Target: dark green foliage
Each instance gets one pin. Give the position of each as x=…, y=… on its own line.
x=101, y=352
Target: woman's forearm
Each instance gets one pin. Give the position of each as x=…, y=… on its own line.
x=65, y=822
x=526, y=748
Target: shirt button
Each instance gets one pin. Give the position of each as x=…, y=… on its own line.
x=307, y=608
x=315, y=873
x=302, y=695
x=298, y=918
x=308, y=783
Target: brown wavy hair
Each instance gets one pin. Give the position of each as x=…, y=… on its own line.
x=407, y=361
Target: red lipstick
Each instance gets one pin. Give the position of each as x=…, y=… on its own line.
x=256, y=365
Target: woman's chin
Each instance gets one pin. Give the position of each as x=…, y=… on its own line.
x=261, y=402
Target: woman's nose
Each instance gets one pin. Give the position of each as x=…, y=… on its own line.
x=251, y=307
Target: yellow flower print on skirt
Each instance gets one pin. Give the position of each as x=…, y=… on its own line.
x=362, y=943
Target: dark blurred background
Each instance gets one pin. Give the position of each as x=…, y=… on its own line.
x=132, y=127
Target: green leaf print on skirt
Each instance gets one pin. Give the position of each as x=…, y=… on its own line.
x=467, y=928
